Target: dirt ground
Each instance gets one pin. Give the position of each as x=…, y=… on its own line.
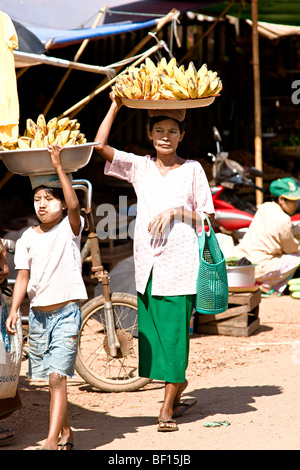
x=251, y=382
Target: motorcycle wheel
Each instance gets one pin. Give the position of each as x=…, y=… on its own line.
x=94, y=363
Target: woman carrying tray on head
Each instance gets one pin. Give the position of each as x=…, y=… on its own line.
x=171, y=194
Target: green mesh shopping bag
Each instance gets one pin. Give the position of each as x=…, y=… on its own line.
x=212, y=284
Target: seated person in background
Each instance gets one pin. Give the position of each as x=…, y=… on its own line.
x=269, y=242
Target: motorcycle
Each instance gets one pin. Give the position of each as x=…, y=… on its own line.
x=233, y=215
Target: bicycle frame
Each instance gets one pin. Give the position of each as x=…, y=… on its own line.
x=91, y=252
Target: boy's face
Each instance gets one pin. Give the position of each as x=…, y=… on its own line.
x=47, y=207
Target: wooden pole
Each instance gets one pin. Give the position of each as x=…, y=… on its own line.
x=76, y=58
x=105, y=83
x=8, y=175
x=257, y=103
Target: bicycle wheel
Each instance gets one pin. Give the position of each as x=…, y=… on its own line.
x=94, y=363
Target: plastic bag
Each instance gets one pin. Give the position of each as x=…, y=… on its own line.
x=10, y=355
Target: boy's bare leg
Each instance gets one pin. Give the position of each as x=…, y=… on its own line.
x=58, y=412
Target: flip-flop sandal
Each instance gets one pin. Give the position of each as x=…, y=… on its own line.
x=9, y=438
x=163, y=425
x=63, y=445
x=271, y=293
x=184, y=405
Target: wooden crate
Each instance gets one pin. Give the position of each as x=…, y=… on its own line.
x=240, y=319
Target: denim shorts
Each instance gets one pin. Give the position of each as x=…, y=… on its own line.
x=53, y=341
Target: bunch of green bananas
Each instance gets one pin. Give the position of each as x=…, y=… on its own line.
x=294, y=288
x=64, y=132
x=167, y=81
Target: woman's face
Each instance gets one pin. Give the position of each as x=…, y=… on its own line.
x=47, y=207
x=165, y=136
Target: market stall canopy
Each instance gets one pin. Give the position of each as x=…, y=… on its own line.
x=58, y=24
x=28, y=42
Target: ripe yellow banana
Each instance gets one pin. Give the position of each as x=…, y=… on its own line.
x=62, y=124
x=212, y=75
x=147, y=87
x=167, y=80
x=192, y=77
x=202, y=72
x=118, y=90
x=126, y=80
x=38, y=138
x=81, y=139
x=213, y=86
x=70, y=142
x=42, y=123
x=170, y=67
x=41, y=134
x=203, y=87
x=219, y=87
x=74, y=134
x=135, y=78
x=150, y=66
x=155, y=84
x=23, y=144
x=64, y=137
x=130, y=92
x=192, y=72
x=52, y=124
x=45, y=142
x=51, y=136
x=156, y=96
x=31, y=127
x=72, y=125
x=181, y=92
x=180, y=77
x=167, y=94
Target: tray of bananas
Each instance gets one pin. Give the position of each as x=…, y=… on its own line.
x=167, y=86
x=28, y=155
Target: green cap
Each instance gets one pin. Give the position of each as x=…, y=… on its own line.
x=286, y=187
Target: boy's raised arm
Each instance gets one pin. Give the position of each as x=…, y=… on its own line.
x=68, y=190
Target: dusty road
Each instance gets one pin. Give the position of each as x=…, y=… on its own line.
x=251, y=382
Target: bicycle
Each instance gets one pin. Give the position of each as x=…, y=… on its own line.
x=107, y=356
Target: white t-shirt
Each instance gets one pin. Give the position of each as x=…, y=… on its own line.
x=54, y=261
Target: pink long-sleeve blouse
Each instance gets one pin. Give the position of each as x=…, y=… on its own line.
x=174, y=257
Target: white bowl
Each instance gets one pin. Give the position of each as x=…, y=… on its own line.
x=241, y=276
x=38, y=162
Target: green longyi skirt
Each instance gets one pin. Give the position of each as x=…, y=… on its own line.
x=164, y=335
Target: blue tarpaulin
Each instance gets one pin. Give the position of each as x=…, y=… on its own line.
x=63, y=37
x=71, y=21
